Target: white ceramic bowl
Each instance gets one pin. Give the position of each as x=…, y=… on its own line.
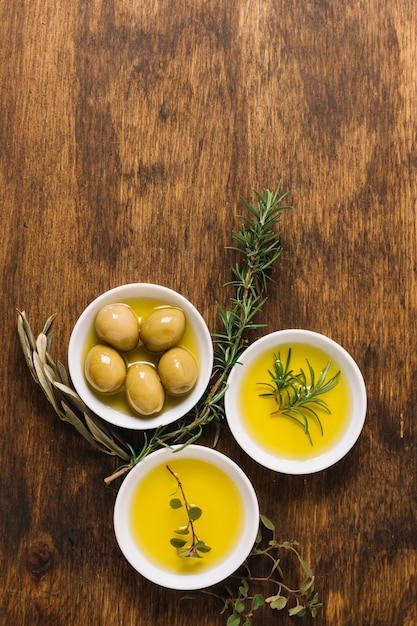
x=352, y=425
x=78, y=342
x=206, y=576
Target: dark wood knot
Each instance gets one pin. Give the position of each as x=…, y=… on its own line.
x=39, y=559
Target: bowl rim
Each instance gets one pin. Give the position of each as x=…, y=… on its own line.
x=217, y=572
x=78, y=338
x=359, y=402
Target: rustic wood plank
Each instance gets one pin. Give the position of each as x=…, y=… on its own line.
x=129, y=130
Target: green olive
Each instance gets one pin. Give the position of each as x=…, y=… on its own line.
x=178, y=371
x=144, y=391
x=104, y=369
x=117, y=325
x=162, y=329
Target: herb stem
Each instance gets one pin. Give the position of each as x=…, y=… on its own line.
x=181, y=488
x=193, y=513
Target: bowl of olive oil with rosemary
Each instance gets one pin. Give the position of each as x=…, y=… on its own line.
x=296, y=401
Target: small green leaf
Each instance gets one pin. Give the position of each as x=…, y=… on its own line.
x=175, y=503
x=244, y=588
x=315, y=601
x=188, y=552
x=257, y=601
x=240, y=606
x=201, y=546
x=297, y=610
x=194, y=513
x=305, y=567
x=307, y=585
x=177, y=543
x=234, y=620
x=277, y=602
x=182, y=530
x=267, y=522
x=276, y=567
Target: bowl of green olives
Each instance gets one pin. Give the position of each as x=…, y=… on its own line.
x=140, y=356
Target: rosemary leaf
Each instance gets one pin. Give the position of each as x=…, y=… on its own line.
x=297, y=396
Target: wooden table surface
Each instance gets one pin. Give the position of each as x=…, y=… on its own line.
x=129, y=131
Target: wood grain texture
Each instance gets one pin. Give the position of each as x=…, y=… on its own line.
x=129, y=130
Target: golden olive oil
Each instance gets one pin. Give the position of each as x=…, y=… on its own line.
x=142, y=308
x=153, y=521
x=279, y=434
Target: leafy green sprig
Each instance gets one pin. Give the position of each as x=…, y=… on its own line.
x=243, y=600
x=297, y=395
x=196, y=547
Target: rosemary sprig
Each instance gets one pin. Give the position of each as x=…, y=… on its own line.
x=297, y=396
x=196, y=545
x=258, y=245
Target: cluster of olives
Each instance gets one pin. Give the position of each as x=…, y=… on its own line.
x=145, y=384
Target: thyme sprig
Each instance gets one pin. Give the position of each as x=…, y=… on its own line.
x=243, y=599
x=195, y=546
x=297, y=395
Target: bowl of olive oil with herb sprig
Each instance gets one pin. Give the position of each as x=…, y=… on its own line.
x=186, y=518
x=296, y=401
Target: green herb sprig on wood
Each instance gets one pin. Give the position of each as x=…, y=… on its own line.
x=262, y=569
x=298, y=395
x=196, y=547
